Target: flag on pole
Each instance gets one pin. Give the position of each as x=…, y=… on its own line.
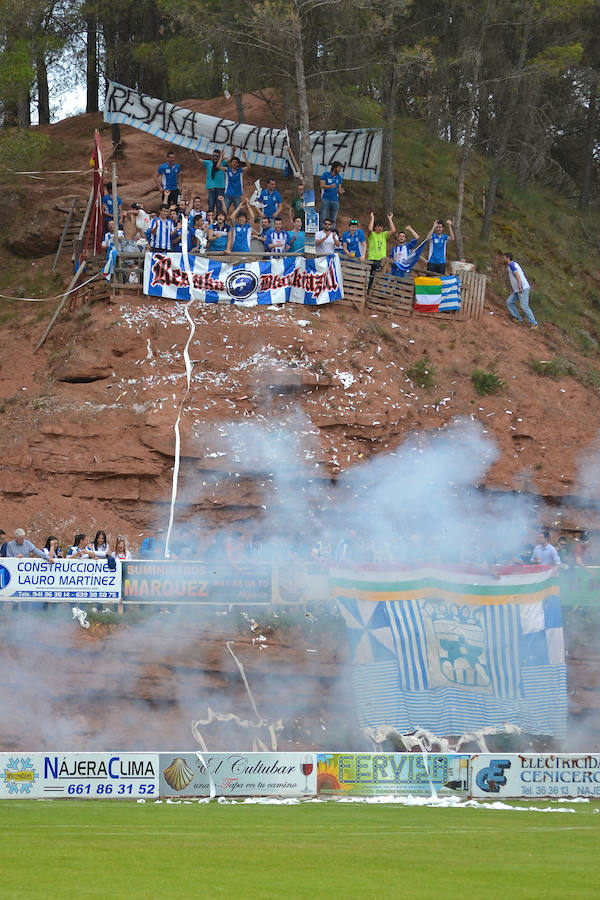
x=428, y=293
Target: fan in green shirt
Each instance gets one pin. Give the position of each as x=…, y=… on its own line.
x=377, y=243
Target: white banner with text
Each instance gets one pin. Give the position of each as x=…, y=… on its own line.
x=358, y=150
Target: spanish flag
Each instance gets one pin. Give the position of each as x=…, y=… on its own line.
x=428, y=293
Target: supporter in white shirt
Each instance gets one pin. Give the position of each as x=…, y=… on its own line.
x=544, y=554
x=80, y=550
x=327, y=240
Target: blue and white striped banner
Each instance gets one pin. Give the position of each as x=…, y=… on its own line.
x=456, y=651
x=450, y=294
x=358, y=150
x=290, y=279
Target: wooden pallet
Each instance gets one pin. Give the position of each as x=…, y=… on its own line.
x=355, y=277
x=472, y=286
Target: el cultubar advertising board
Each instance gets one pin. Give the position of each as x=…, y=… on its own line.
x=237, y=774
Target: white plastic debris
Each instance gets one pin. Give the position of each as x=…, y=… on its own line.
x=81, y=617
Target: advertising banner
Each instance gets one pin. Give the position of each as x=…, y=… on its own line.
x=113, y=776
x=550, y=775
x=290, y=279
x=66, y=580
x=237, y=774
x=369, y=774
x=164, y=582
x=580, y=586
x=358, y=150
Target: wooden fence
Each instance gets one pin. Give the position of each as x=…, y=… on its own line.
x=390, y=294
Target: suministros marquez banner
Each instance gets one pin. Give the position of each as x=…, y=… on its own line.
x=237, y=774
x=358, y=150
x=535, y=775
x=81, y=775
x=367, y=774
x=65, y=580
x=190, y=582
x=291, y=279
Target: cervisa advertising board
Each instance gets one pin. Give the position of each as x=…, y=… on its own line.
x=82, y=775
x=64, y=580
x=535, y=775
x=237, y=774
x=368, y=774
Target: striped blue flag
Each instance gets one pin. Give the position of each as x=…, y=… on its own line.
x=454, y=650
x=450, y=294
x=290, y=279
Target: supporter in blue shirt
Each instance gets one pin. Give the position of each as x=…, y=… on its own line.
x=240, y=235
x=215, y=179
x=354, y=242
x=331, y=189
x=436, y=257
x=234, y=178
x=276, y=239
x=218, y=234
x=270, y=201
x=297, y=237
x=107, y=208
x=169, y=179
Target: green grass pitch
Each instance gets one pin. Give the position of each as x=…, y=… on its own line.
x=55, y=849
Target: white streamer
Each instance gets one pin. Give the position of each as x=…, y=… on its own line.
x=188, y=372
x=243, y=674
x=213, y=790
x=58, y=296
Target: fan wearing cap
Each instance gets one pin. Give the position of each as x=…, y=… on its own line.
x=354, y=242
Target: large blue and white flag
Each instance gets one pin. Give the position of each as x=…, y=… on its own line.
x=450, y=294
x=453, y=649
x=290, y=279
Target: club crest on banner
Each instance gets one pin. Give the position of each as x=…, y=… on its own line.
x=457, y=644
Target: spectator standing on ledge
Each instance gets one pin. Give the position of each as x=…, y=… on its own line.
x=544, y=554
x=436, y=258
x=520, y=291
x=331, y=189
x=21, y=547
x=234, y=178
x=269, y=200
x=377, y=244
x=169, y=179
x=51, y=548
x=215, y=179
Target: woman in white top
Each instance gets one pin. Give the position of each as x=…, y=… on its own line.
x=99, y=546
x=51, y=548
x=80, y=550
x=121, y=551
